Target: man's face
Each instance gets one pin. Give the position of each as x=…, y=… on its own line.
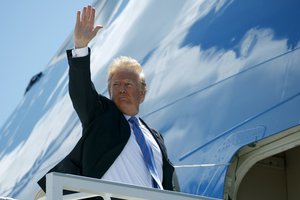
x=126, y=91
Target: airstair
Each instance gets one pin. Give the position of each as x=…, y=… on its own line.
x=86, y=187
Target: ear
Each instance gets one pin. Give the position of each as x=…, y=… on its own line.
x=142, y=96
x=109, y=90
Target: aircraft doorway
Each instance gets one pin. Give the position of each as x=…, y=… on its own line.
x=268, y=169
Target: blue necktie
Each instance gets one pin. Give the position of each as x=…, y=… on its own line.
x=147, y=152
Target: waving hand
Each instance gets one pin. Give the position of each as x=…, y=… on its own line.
x=85, y=30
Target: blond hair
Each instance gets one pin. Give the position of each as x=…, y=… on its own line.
x=127, y=63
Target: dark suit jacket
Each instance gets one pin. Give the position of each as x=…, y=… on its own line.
x=105, y=129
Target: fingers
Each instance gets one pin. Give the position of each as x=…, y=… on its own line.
x=88, y=12
x=88, y=15
x=92, y=16
x=78, y=18
x=83, y=14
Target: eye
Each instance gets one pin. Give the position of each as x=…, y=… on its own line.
x=129, y=84
x=116, y=84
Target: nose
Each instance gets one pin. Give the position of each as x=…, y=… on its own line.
x=122, y=89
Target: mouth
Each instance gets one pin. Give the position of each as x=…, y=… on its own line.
x=122, y=98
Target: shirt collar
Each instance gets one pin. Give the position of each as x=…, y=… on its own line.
x=128, y=116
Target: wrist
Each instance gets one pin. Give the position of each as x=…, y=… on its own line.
x=80, y=52
x=76, y=46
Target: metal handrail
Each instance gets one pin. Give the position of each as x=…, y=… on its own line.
x=91, y=187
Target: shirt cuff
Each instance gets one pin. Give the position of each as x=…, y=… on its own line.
x=80, y=52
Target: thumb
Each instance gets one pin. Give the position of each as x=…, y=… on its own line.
x=96, y=29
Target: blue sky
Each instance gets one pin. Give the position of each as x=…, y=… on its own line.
x=31, y=33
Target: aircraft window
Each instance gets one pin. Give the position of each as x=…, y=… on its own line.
x=33, y=80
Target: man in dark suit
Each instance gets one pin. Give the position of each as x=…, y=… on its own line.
x=109, y=148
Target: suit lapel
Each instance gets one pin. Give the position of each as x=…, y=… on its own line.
x=158, y=138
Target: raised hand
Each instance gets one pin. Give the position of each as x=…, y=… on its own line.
x=84, y=29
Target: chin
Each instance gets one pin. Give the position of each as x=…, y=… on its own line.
x=128, y=112
x=123, y=109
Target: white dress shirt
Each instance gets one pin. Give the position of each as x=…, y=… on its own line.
x=130, y=166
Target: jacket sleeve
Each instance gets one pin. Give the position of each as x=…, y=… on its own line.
x=84, y=97
x=65, y=166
